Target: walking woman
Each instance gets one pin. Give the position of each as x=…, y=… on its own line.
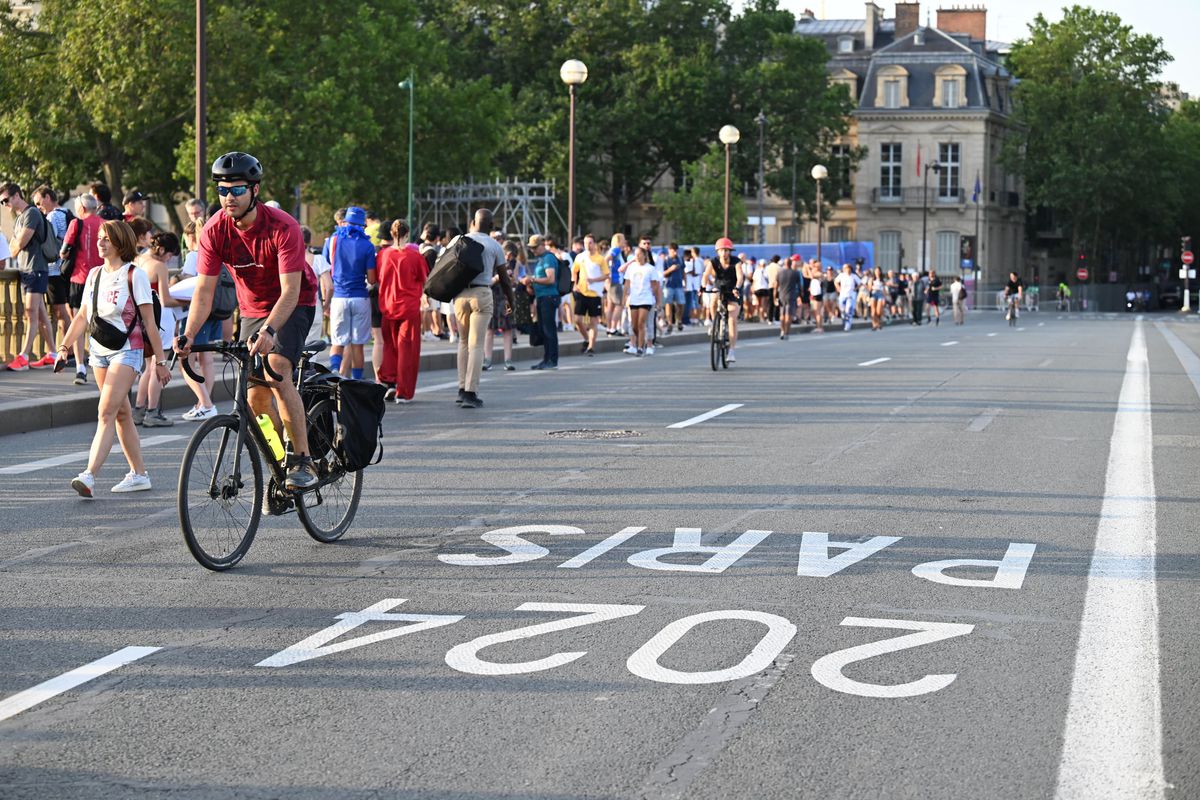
x=641, y=281
x=162, y=247
x=401, y=271
x=503, y=318
x=118, y=312
x=878, y=298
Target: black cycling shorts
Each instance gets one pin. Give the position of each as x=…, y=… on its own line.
x=289, y=339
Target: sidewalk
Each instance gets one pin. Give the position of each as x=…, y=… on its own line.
x=39, y=399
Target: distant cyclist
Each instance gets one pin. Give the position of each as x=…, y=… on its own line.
x=277, y=294
x=1014, y=290
x=725, y=273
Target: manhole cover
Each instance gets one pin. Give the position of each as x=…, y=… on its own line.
x=590, y=434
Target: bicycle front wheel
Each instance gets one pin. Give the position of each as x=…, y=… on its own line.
x=220, y=493
x=326, y=512
x=715, y=345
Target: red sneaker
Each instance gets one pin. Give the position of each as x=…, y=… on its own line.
x=45, y=361
x=18, y=364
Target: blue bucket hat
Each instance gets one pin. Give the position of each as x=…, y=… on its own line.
x=356, y=216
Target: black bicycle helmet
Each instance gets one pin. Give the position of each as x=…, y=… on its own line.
x=237, y=166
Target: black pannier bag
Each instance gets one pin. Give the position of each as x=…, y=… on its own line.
x=456, y=267
x=358, y=437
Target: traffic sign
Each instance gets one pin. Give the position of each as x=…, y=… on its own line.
x=1187, y=256
x=1081, y=273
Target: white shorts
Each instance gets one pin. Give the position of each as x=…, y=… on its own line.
x=350, y=320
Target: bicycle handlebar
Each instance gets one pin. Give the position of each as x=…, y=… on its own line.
x=238, y=350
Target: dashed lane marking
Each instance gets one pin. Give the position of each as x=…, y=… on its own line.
x=873, y=362
x=949, y=344
x=82, y=455
x=22, y=701
x=716, y=412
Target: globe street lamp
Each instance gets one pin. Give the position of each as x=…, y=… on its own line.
x=936, y=167
x=573, y=73
x=407, y=83
x=728, y=135
x=819, y=173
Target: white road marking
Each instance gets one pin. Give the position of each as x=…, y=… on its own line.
x=29, y=698
x=1047, y=362
x=1188, y=359
x=707, y=415
x=874, y=362
x=991, y=334
x=1112, y=743
x=1040, y=324
x=983, y=420
x=437, y=387
x=949, y=344
x=82, y=455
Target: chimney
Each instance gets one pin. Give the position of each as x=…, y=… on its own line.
x=970, y=21
x=908, y=19
x=871, y=26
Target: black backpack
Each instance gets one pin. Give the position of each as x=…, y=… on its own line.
x=563, y=278
x=224, y=296
x=456, y=267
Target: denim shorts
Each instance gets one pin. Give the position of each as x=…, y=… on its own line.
x=673, y=296
x=209, y=332
x=134, y=359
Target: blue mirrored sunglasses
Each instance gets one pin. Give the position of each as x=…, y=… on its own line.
x=236, y=191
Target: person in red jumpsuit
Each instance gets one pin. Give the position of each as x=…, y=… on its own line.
x=401, y=272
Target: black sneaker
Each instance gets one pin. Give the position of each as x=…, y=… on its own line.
x=462, y=395
x=302, y=476
x=472, y=401
x=80, y=379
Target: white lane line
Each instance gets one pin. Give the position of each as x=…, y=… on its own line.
x=949, y=344
x=1047, y=362
x=1112, y=743
x=437, y=387
x=82, y=455
x=1040, y=324
x=1188, y=359
x=1020, y=329
x=874, y=362
x=716, y=412
x=991, y=334
x=29, y=698
x=983, y=420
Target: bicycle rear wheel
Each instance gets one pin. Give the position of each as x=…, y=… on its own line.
x=725, y=342
x=326, y=513
x=218, y=511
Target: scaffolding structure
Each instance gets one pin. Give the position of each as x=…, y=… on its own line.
x=521, y=208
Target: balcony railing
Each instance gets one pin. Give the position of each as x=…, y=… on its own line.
x=915, y=196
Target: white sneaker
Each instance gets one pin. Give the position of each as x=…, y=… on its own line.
x=630, y=349
x=84, y=483
x=453, y=338
x=133, y=483
x=650, y=350
x=731, y=357
x=199, y=413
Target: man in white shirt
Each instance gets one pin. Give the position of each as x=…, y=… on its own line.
x=847, y=286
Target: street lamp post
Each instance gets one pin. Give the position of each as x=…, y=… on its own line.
x=573, y=73
x=728, y=135
x=819, y=173
x=407, y=83
x=937, y=168
x=761, y=119
x=202, y=171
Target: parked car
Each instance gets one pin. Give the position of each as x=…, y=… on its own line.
x=1170, y=297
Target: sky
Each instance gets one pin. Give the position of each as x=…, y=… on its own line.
x=1173, y=21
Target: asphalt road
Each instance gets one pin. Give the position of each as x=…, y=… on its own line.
x=968, y=570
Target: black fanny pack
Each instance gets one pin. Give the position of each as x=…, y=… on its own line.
x=103, y=332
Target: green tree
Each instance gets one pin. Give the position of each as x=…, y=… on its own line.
x=697, y=207
x=1091, y=124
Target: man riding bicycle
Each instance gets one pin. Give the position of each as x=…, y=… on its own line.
x=1013, y=291
x=726, y=274
x=276, y=289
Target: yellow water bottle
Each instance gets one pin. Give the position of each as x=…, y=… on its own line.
x=273, y=442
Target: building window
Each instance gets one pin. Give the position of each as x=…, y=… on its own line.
x=891, y=93
x=889, y=250
x=846, y=44
x=839, y=233
x=890, y=170
x=841, y=170
x=950, y=96
x=949, y=177
x=949, y=249
x=791, y=233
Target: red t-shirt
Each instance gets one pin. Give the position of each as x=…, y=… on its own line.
x=82, y=236
x=401, y=275
x=257, y=257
